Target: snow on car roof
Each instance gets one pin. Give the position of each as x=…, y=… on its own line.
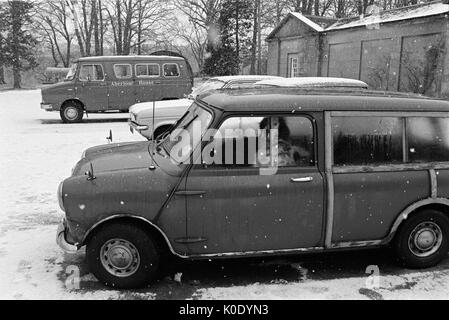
x=313, y=82
x=244, y=77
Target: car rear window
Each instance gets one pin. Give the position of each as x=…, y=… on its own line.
x=428, y=139
x=171, y=70
x=367, y=140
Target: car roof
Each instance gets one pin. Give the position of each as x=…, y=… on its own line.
x=313, y=82
x=127, y=58
x=322, y=99
x=244, y=77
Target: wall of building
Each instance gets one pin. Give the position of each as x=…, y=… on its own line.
x=296, y=40
x=393, y=56
x=387, y=57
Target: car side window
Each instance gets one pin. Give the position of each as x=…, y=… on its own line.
x=367, y=140
x=171, y=70
x=147, y=70
x=428, y=139
x=246, y=141
x=91, y=72
x=123, y=71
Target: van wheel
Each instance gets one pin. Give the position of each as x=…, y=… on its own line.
x=71, y=112
x=123, y=256
x=422, y=240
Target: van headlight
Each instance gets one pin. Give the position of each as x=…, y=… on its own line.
x=59, y=195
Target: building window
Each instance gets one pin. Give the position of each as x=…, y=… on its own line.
x=294, y=67
x=367, y=140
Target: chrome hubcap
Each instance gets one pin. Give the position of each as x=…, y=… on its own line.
x=425, y=239
x=71, y=113
x=120, y=257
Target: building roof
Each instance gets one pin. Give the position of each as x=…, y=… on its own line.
x=297, y=100
x=320, y=24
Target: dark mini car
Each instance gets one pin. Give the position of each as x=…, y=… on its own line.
x=348, y=169
x=114, y=83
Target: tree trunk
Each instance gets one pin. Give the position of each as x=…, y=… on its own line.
x=16, y=26
x=2, y=75
x=96, y=27
x=100, y=10
x=255, y=33
x=237, y=29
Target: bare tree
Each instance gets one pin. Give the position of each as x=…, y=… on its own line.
x=133, y=20
x=53, y=19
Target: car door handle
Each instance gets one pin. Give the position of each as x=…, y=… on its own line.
x=299, y=180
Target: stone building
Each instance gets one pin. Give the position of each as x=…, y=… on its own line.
x=401, y=50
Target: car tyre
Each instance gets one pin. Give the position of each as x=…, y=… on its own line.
x=422, y=240
x=71, y=112
x=123, y=256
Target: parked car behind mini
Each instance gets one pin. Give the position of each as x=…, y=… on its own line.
x=168, y=112
x=102, y=84
x=345, y=169
x=313, y=82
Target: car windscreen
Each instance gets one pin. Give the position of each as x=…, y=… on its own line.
x=187, y=133
x=212, y=84
x=72, y=72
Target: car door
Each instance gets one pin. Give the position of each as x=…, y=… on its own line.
x=91, y=88
x=122, y=93
x=148, y=82
x=245, y=205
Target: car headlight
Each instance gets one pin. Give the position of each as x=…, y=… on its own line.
x=60, y=197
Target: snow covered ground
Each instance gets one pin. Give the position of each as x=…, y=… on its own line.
x=38, y=151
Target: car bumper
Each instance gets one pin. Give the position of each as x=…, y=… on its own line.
x=61, y=239
x=46, y=106
x=136, y=127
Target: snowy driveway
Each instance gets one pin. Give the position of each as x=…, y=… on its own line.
x=38, y=151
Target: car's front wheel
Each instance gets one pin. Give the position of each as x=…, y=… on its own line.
x=422, y=240
x=123, y=256
x=71, y=112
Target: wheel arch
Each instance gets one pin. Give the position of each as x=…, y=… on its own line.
x=159, y=236
x=75, y=101
x=440, y=204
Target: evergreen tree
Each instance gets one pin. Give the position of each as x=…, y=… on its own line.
x=19, y=43
x=232, y=49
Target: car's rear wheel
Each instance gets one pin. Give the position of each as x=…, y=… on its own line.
x=72, y=112
x=422, y=240
x=123, y=256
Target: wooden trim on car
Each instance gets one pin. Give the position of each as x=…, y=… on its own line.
x=328, y=154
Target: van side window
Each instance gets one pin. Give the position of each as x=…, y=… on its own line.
x=428, y=139
x=171, y=70
x=123, y=71
x=238, y=142
x=147, y=70
x=91, y=72
x=367, y=140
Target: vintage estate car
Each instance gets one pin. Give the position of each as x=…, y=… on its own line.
x=102, y=84
x=349, y=169
x=167, y=112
